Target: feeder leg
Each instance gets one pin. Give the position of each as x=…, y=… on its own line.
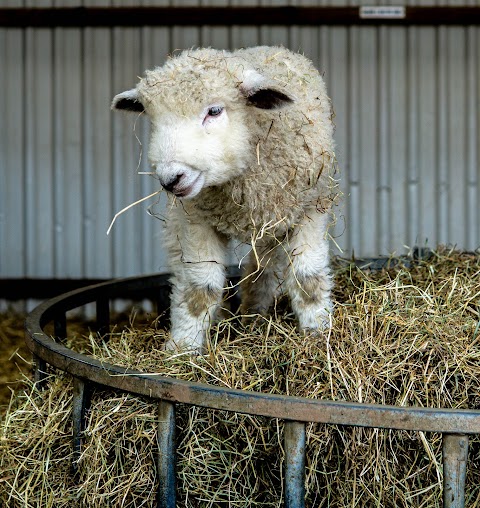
x=40, y=372
x=162, y=299
x=80, y=402
x=60, y=327
x=166, y=497
x=455, y=452
x=103, y=316
x=295, y=438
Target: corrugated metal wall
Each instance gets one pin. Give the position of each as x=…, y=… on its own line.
x=407, y=115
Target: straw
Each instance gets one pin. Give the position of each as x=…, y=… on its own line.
x=407, y=335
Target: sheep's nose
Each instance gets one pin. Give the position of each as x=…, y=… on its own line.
x=171, y=184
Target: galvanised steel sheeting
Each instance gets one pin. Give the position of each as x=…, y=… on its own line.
x=407, y=113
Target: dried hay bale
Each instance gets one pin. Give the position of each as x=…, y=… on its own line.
x=404, y=336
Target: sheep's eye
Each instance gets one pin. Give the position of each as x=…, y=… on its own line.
x=215, y=111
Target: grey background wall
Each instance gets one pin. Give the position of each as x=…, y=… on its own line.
x=407, y=113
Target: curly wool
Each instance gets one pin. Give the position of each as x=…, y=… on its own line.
x=288, y=161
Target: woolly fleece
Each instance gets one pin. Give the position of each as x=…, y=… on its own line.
x=288, y=162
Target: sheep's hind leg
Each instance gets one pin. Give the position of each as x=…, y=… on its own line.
x=309, y=280
x=260, y=282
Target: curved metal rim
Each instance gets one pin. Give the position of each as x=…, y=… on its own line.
x=166, y=388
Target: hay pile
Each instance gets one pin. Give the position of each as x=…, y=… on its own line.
x=405, y=336
x=14, y=355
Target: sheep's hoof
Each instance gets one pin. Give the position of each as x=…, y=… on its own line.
x=323, y=327
x=313, y=332
x=181, y=347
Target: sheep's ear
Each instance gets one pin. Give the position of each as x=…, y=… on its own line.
x=269, y=98
x=261, y=94
x=127, y=101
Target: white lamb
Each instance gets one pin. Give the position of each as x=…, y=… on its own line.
x=243, y=143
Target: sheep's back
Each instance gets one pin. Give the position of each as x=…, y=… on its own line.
x=292, y=161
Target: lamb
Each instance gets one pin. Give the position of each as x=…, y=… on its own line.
x=243, y=143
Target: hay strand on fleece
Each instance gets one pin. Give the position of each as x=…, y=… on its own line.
x=403, y=336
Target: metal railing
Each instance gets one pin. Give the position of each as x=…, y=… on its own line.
x=455, y=425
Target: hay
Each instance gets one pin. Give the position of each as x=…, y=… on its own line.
x=14, y=355
x=404, y=336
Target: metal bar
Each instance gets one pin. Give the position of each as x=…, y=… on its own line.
x=450, y=421
x=277, y=406
x=295, y=439
x=242, y=16
x=162, y=299
x=81, y=397
x=166, y=496
x=103, y=316
x=455, y=454
x=40, y=374
x=20, y=289
x=60, y=326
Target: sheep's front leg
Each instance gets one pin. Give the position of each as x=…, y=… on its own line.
x=309, y=280
x=198, y=257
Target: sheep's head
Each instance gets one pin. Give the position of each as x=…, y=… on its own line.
x=200, y=108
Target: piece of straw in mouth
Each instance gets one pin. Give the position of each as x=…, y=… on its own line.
x=131, y=205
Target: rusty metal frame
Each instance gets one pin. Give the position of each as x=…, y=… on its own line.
x=455, y=425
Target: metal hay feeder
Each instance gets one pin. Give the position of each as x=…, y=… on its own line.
x=455, y=425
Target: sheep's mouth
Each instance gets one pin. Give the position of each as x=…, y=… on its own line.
x=191, y=189
x=182, y=193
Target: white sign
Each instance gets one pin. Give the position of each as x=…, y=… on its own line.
x=382, y=12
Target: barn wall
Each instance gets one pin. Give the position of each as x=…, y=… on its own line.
x=407, y=115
